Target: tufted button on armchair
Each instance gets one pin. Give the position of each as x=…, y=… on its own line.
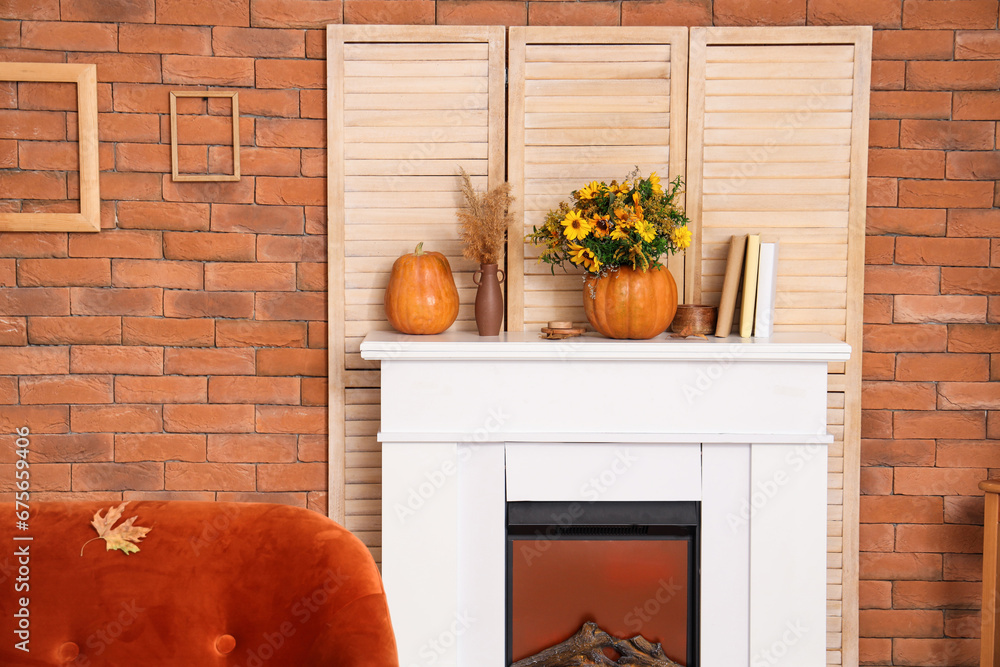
x=221, y=584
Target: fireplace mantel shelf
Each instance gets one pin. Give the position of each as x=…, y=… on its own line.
x=523, y=346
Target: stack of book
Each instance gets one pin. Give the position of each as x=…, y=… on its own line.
x=754, y=265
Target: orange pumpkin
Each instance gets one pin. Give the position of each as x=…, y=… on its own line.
x=626, y=303
x=421, y=297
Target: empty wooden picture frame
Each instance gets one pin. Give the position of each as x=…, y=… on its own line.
x=174, y=169
x=88, y=219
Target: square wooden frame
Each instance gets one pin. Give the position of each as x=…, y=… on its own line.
x=175, y=174
x=85, y=78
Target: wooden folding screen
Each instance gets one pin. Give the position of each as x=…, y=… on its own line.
x=584, y=104
x=407, y=105
x=777, y=144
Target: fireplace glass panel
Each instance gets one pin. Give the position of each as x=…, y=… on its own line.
x=631, y=572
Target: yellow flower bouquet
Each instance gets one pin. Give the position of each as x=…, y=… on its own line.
x=632, y=223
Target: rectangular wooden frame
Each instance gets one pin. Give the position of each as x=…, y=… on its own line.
x=202, y=178
x=89, y=217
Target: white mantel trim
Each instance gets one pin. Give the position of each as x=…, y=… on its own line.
x=631, y=438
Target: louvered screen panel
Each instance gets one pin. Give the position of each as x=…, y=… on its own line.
x=777, y=144
x=585, y=104
x=408, y=106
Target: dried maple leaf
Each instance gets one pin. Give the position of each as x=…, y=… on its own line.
x=122, y=537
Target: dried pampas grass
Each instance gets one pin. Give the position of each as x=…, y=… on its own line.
x=484, y=221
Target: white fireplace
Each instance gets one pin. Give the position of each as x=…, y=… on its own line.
x=739, y=426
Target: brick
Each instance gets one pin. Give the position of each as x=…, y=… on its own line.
x=213, y=246
x=292, y=419
x=46, y=96
x=252, y=448
x=906, y=221
x=132, y=186
x=69, y=36
x=963, y=567
x=208, y=304
x=879, y=249
x=295, y=13
x=160, y=447
x=240, y=192
x=291, y=362
x=70, y=448
x=256, y=161
x=902, y=509
x=876, y=424
x=164, y=215
x=196, y=496
x=930, y=14
x=23, y=55
x=209, y=362
x=116, y=359
x=250, y=333
x=316, y=223
x=897, y=452
x=42, y=10
x=168, y=331
x=116, y=418
x=876, y=651
x=33, y=185
x=883, y=133
x=193, y=12
x=26, y=244
x=41, y=419
x=912, y=308
x=128, y=127
x=186, y=40
x=130, y=67
x=901, y=280
x=906, y=163
x=315, y=44
x=900, y=566
x=292, y=499
x=770, y=12
x=145, y=99
x=10, y=34
x=879, y=13
x=910, y=104
x=964, y=510
x=117, y=243
x=48, y=156
x=314, y=162
x=117, y=476
x=32, y=125
x=159, y=273
x=899, y=395
x=969, y=396
x=257, y=219
x=13, y=331
x=912, y=45
x=959, y=280
x=952, y=75
x=55, y=389
x=959, y=623
x=292, y=191
x=312, y=104
x=27, y=301
x=942, y=367
x=110, y=11
x=313, y=447
x=291, y=133
x=878, y=366
x=281, y=103
x=973, y=337
x=64, y=272
x=944, y=424
x=875, y=595
x=74, y=330
x=896, y=623
x=116, y=301
x=666, y=12
x=291, y=477
x=208, y=418
x=311, y=277
x=289, y=74
x=216, y=476
x=156, y=158
x=942, y=251
x=291, y=248
x=161, y=390
x=258, y=43
x=573, y=13
x=481, y=12
x=977, y=165
x=949, y=135
x=402, y=12
x=295, y=306
x=208, y=70
x=250, y=277
x=977, y=105
x=260, y=390
x=977, y=45
x=936, y=594
x=315, y=391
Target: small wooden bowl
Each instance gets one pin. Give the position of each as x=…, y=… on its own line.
x=694, y=319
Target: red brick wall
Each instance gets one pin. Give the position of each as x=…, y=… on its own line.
x=181, y=352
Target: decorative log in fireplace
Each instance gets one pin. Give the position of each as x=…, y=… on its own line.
x=587, y=646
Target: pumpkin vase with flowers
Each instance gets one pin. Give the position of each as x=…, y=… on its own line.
x=619, y=233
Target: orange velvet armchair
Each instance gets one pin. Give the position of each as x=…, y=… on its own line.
x=221, y=584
